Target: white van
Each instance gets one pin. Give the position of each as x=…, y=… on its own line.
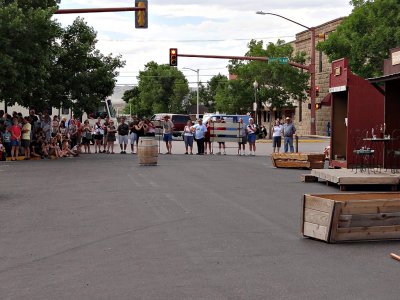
x=226, y=118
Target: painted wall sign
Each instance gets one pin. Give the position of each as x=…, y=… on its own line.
x=395, y=58
x=337, y=89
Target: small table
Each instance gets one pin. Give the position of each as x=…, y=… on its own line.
x=380, y=149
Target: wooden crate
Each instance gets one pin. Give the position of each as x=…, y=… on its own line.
x=298, y=160
x=351, y=217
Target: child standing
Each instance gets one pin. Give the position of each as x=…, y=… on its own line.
x=15, y=139
x=7, y=140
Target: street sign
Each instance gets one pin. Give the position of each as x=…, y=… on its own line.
x=281, y=60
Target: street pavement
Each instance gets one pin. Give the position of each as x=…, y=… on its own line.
x=193, y=227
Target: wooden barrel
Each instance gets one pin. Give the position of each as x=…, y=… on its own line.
x=147, y=151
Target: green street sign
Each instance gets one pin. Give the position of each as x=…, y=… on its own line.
x=281, y=60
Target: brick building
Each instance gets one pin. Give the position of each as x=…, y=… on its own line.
x=302, y=114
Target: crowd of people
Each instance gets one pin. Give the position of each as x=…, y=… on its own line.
x=43, y=136
x=201, y=133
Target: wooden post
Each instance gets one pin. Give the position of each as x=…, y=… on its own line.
x=297, y=143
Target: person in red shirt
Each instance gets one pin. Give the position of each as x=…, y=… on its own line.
x=15, y=139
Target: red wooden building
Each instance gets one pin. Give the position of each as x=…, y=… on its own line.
x=389, y=85
x=357, y=113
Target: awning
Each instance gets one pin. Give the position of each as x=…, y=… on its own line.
x=327, y=101
x=384, y=78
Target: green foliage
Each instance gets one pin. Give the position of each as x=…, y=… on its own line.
x=42, y=65
x=161, y=88
x=366, y=36
x=278, y=84
x=87, y=75
x=208, y=91
x=234, y=97
x=26, y=47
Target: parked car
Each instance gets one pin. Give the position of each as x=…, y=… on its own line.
x=179, y=121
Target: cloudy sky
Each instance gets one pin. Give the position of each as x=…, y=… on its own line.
x=197, y=27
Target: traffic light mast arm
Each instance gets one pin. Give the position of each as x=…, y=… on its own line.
x=304, y=67
x=98, y=10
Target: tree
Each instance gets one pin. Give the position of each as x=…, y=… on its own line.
x=279, y=84
x=82, y=77
x=209, y=92
x=366, y=36
x=161, y=88
x=27, y=34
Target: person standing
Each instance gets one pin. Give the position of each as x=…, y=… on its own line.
x=207, y=139
x=188, y=137
x=168, y=127
x=111, y=131
x=242, y=138
x=200, y=130
x=123, y=131
x=98, y=135
x=15, y=131
x=73, y=133
x=151, y=129
x=288, y=131
x=276, y=136
x=105, y=128
x=86, y=136
x=251, y=136
x=26, y=137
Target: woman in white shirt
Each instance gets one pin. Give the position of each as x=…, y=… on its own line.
x=188, y=137
x=277, y=136
x=251, y=136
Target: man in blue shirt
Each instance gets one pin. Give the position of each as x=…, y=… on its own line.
x=199, y=132
x=288, y=131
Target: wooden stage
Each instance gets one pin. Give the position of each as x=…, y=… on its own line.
x=346, y=177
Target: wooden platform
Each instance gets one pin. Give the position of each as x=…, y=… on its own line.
x=346, y=177
x=298, y=160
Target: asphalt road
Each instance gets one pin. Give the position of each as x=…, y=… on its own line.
x=193, y=227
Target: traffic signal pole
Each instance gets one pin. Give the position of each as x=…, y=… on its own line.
x=310, y=68
x=98, y=10
x=259, y=58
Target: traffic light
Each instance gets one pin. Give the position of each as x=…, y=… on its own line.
x=308, y=92
x=317, y=91
x=141, y=15
x=318, y=106
x=309, y=105
x=173, y=57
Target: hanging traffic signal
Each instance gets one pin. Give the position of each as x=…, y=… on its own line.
x=309, y=105
x=318, y=106
x=317, y=91
x=141, y=15
x=173, y=57
x=308, y=91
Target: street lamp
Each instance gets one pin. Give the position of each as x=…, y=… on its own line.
x=255, y=85
x=198, y=88
x=311, y=67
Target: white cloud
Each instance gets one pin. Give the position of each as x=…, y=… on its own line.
x=204, y=27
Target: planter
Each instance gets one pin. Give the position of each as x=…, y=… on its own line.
x=351, y=217
x=298, y=160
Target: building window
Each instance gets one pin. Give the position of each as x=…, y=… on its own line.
x=320, y=62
